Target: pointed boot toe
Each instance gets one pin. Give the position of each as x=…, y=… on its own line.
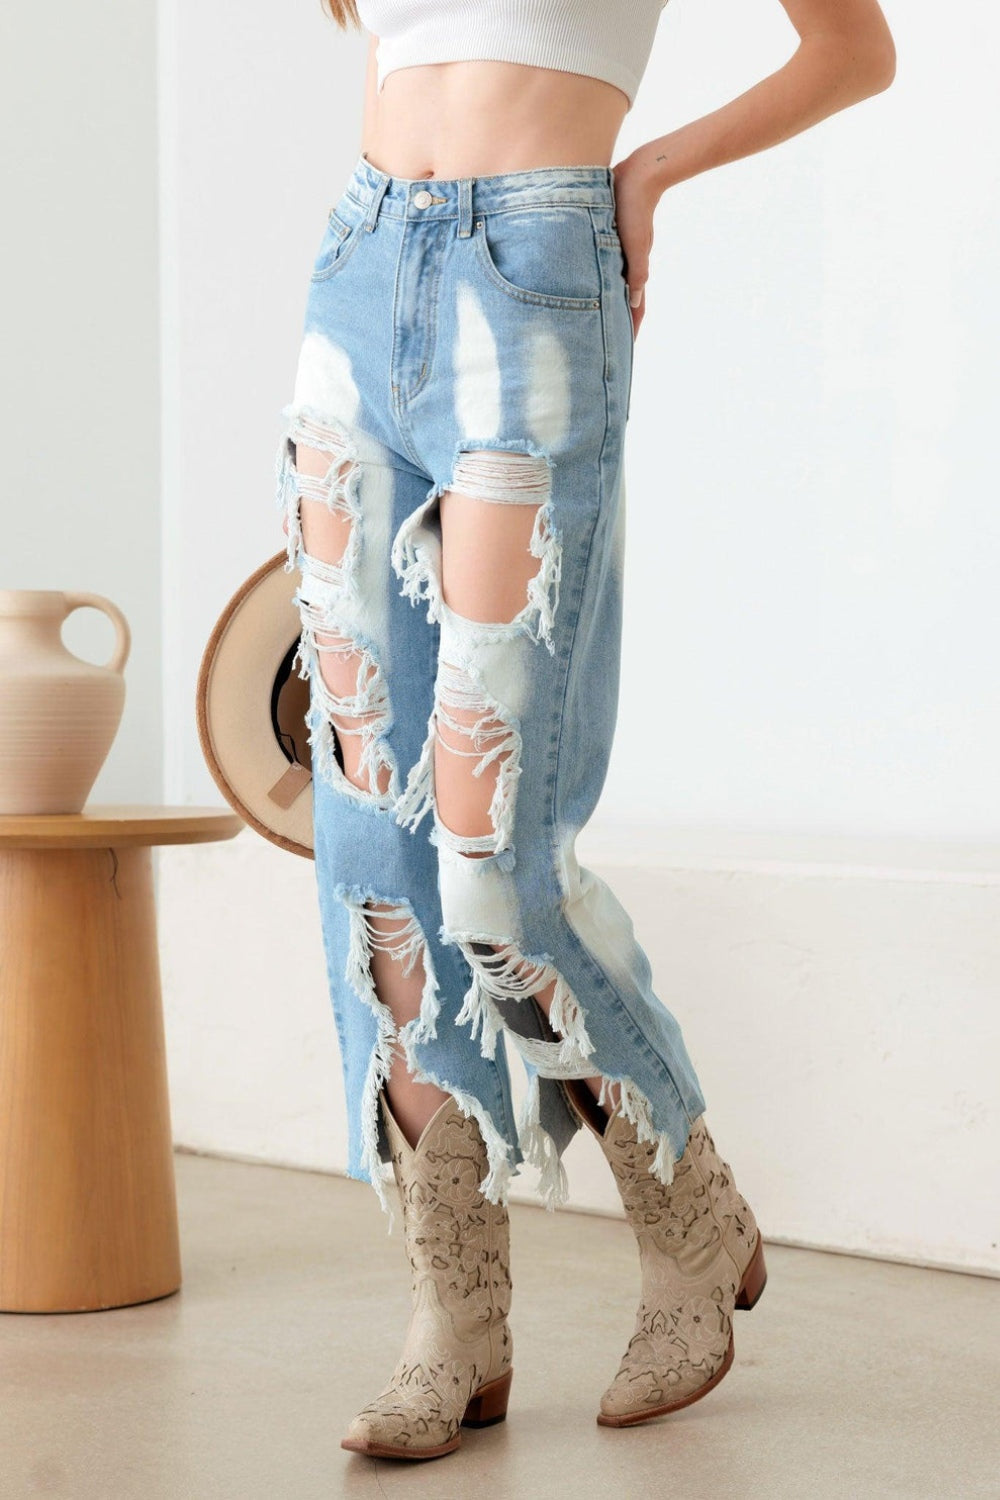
x=394, y=1432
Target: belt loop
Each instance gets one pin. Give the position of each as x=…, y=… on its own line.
x=378, y=194
x=464, y=207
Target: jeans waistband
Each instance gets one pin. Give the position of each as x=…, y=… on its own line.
x=376, y=192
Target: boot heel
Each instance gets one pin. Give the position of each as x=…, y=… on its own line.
x=754, y=1278
x=489, y=1404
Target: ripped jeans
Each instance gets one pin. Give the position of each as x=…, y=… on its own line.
x=472, y=335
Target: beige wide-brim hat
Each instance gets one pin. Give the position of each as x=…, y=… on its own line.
x=252, y=708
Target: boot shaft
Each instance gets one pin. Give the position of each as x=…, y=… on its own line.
x=694, y=1214
x=700, y=1210
x=697, y=1212
x=455, y=1237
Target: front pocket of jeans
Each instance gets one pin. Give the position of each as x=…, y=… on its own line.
x=541, y=257
x=339, y=239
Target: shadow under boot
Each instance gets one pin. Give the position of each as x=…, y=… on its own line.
x=455, y=1367
x=700, y=1254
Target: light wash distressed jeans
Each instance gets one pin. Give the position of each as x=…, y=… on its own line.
x=474, y=335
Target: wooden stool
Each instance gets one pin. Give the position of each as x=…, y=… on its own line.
x=88, y=1207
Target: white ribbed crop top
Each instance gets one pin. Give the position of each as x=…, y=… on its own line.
x=609, y=39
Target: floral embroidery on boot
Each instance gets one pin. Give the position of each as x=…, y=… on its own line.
x=455, y=1366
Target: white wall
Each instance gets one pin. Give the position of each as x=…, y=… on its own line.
x=79, y=379
x=814, y=532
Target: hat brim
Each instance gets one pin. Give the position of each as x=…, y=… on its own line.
x=251, y=709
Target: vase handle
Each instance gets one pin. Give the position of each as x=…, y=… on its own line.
x=123, y=635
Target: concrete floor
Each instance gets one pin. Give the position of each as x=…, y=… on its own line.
x=853, y=1378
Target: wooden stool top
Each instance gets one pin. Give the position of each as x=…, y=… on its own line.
x=118, y=826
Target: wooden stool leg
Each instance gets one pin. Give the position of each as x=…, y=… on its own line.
x=88, y=1210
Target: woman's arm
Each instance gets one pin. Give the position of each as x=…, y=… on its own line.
x=845, y=54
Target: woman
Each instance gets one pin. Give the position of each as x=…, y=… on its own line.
x=450, y=474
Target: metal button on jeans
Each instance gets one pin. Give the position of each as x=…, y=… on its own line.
x=421, y=199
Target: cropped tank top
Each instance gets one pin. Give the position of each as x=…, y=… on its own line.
x=609, y=39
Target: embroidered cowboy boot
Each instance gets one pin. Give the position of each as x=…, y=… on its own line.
x=700, y=1255
x=455, y=1367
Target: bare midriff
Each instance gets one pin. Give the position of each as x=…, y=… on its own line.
x=463, y=119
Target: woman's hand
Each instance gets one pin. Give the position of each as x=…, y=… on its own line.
x=636, y=196
x=846, y=53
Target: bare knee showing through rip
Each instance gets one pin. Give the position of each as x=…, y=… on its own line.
x=491, y=577
x=489, y=523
